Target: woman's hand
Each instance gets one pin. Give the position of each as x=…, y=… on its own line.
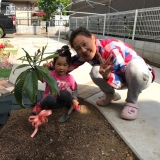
x=105, y=68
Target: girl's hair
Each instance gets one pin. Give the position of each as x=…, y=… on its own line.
x=79, y=31
x=63, y=52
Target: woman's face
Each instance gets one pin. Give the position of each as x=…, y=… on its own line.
x=85, y=47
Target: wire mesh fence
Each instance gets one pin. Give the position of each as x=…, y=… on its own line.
x=134, y=24
x=148, y=24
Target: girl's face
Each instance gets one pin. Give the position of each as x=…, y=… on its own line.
x=61, y=66
x=85, y=47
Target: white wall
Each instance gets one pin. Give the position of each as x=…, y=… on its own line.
x=24, y=29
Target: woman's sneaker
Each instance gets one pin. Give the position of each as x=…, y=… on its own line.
x=106, y=99
x=37, y=109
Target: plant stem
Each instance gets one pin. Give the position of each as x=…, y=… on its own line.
x=42, y=55
x=29, y=62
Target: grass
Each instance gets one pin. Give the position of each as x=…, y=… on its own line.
x=13, y=51
x=5, y=72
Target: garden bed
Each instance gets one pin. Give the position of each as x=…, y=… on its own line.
x=86, y=135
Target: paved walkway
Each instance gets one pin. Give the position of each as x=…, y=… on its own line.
x=5, y=87
x=141, y=135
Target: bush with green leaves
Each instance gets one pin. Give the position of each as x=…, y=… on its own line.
x=27, y=81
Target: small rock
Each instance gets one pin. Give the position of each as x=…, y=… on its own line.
x=103, y=153
x=112, y=150
x=129, y=158
x=107, y=154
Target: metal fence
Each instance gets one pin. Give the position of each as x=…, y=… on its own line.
x=134, y=24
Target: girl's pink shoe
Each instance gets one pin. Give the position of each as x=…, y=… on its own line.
x=39, y=107
x=77, y=108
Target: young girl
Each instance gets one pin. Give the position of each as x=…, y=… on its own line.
x=66, y=84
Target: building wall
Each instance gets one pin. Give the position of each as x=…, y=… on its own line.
x=125, y=5
x=33, y=2
x=22, y=14
x=85, y=7
x=23, y=11
x=120, y=5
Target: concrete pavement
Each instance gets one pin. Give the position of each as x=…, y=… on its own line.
x=141, y=135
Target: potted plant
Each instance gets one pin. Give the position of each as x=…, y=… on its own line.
x=10, y=48
x=27, y=81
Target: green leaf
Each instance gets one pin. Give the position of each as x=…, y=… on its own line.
x=42, y=68
x=18, y=90
x=52, y=91
x=51, y=82
x=22, y=59
x=31, y=86
x=29, y=59
x=49, y=57
x=27, y=55
x=39, y=75
x=20, y=66
x=43, y=49
x=21, y=75
x=38, y=51
x=37, y=57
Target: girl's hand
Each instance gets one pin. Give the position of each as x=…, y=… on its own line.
x=75, y=102
x=48, y=64
x=105, y=68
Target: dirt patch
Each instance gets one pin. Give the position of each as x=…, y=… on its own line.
x=86, y=135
